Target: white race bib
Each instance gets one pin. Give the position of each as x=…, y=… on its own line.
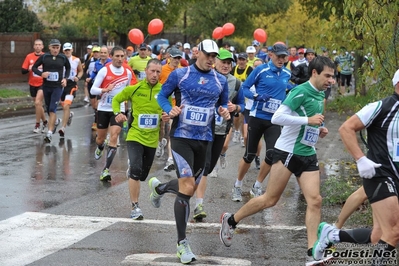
x=271, y=105
x=142, y=75
x=148, y=121
x=198, y=116
x=53, y=76
x=218, y=119
x=310, y=136
x=395, y=149
x=108, y=100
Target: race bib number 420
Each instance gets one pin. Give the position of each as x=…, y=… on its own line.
x=198, y=116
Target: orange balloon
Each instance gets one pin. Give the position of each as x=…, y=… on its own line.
x=218, y=33
x=228, y=29
x=260, y=35
x=136, y=36
x=155, y=26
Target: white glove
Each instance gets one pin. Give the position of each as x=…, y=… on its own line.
x=366, y=167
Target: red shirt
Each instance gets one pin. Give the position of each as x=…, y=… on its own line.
x=34, y=80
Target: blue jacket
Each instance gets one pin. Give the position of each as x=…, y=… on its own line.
x=271, y=80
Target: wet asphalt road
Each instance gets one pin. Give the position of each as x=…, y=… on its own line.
x=54, y=210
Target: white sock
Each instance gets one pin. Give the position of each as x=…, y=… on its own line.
x=198, y=201
x=238, y=183
x=257, y=184
x=333, y=236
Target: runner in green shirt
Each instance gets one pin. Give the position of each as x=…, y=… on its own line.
x=142, y=138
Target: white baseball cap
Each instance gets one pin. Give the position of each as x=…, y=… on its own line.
x=208, y=46
x=334, y=51
x=186, y=46
x=395, y=79
x=250, y=49
x=67, y=46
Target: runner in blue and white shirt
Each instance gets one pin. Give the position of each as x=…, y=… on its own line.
x=199, y=92
x=270, y=81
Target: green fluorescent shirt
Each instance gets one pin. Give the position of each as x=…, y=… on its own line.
x=146, y=112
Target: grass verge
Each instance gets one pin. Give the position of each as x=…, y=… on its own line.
x=12, y=93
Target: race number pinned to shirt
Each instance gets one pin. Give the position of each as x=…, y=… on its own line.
x=197, y=116
x=53, y=76
x=218, y=119
x=271, y=105
x=395, y=156
x=148, y=121
x=310, y=136
x=39, y=68
x=108, y=101
x=142, y=75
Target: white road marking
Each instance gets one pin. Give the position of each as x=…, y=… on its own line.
x=31, y=236
x=156, y=259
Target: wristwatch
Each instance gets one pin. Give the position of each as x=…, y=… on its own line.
x=116, y=114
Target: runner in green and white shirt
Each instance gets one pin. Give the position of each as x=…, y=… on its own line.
x=294, y=153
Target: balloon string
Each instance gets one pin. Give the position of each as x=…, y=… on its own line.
x=146, y=37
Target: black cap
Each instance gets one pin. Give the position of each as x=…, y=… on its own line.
x=279, y=49
x=55, y=42
x=143, y=46
x=310, y=50
x=242, y=55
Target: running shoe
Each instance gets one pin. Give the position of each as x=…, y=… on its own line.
x=98, y=153
x=170, y=165
x=310, y=261
x=222, y=160
x=236, y=194
x=184, y=252
x=257, y=162
x=161, y=147
x=44, y=126
x=48, y=137
x=105, y=176
x=57, y=122
x=242, y=142
x=255, y=191
x=214, y=173
x=322, y=241
x=37, y=128
x=86, y=99
x=62, y=132
x=136, y=213
x=226, y=230
x=70, y=119
x=236, y=136
x=199, y=212
x=154, y=196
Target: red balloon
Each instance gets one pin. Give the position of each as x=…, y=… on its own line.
x=155, y=26
x=260, y=35
x=228, y=29
x=218, y=33
x=136, y=36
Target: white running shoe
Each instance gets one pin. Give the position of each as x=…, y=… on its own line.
x=236, y=136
